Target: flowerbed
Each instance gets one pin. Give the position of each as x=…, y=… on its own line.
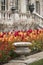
x=7, y=39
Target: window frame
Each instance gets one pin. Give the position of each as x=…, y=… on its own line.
x=38, y=7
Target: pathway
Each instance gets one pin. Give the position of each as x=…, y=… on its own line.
x=27, y=60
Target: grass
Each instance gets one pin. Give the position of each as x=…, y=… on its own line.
x=40, y=62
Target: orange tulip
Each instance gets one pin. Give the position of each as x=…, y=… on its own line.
x=20, y=33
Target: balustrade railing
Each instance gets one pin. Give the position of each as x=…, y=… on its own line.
x=20, y=21
x=18, y=16
x=38, y=19
x=8, y=15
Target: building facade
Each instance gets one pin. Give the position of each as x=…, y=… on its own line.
x=21, y=6
x=22, y=14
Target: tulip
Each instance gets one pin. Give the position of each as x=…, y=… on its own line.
x=1, y=34
x=30, y=31
x=16, y=34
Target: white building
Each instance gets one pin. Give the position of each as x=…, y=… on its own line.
x=21, y=5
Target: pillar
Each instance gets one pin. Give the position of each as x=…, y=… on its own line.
x=23, y=6
x=41, y=8
x=0, y=8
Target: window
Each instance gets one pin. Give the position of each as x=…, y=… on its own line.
x=28, y=2
x=3, y=5
x=12, y=2
x=16, y=4
x=38, y=7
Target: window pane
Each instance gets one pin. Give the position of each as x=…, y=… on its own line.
x=3, y=2
x=38, y=7
x=3, y=8
x=28, y=2
x=16, y=4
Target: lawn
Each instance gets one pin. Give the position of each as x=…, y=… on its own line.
x=40, y=62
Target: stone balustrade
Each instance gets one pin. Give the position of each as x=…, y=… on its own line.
x=9, y=17
x=20, y=21
x=39, y=19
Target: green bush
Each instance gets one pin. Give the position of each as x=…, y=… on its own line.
x=5, y=57
x=37, y=45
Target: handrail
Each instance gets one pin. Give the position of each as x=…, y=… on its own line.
x=40, y=19
x=35, y=13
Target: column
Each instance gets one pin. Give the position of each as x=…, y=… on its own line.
x=23, y=6
x=9, y=5
x=41, y=7
x=0, y=8
x=0, y=4
x=41, y=12
x=19, y=5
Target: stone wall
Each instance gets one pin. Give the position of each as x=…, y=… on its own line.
x=18, y=26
